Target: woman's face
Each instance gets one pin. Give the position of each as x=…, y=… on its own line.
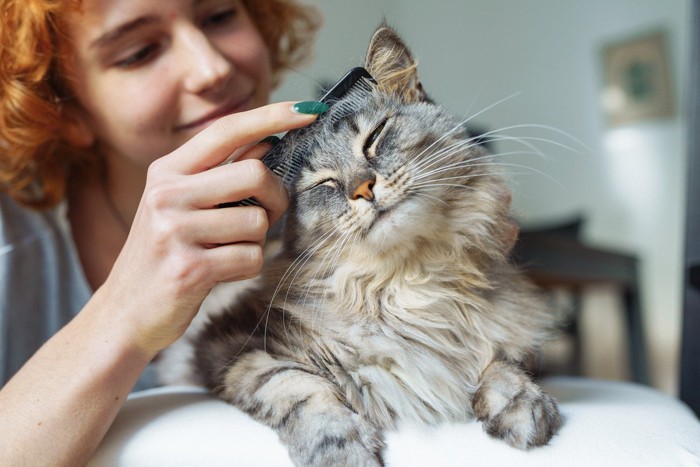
x=149, y=74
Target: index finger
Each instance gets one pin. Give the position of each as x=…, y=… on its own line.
x=214, y=144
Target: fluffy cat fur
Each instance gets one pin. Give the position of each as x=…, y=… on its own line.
x=393, y=297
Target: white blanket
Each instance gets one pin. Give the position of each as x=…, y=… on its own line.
x=606, y=424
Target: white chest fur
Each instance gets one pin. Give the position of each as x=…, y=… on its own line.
x=409, y=353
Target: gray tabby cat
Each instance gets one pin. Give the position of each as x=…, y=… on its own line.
x=393, y=298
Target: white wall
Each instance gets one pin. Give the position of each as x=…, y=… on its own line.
x=630, y=183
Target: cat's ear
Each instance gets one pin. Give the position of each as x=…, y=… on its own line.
x=392, y=65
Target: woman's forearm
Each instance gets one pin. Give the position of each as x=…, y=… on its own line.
x=58, y=407
x=60, y=404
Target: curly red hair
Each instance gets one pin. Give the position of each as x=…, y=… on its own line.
x=36, y=158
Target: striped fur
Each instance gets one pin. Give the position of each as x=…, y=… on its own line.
x=395, y=305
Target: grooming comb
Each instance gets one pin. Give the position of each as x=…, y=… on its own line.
x=286, y=165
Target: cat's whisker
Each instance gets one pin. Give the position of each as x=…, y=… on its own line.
x=467, y=176
x=486, y=137
x=333, y=264
x=445, y=152
x=533, y=151
x=419, y=155
x=584, y=148
x=330, y=250
x=301, y=263
x=518, y=166
x=438, y=182
x=469, y=165
x=449, y=151
x=504, y=154
x=461, y=124
x=495, y=136
x=447, y=185
x=428, y=197
x=470, y=162
x=486, y=109
x=525, y=141
x=297, y=265
x=338, y=246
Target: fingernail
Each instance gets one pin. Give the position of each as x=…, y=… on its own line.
x=271, y=140
x=310, y=107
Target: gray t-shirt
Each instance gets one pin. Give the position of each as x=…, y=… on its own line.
x=42, y=283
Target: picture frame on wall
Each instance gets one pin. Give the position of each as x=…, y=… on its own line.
x=637, y=80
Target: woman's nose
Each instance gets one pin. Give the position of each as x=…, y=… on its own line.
x=205, y=68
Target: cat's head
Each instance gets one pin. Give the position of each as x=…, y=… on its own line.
x=389, y=172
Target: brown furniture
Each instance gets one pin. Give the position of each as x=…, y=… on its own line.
x=555, y=258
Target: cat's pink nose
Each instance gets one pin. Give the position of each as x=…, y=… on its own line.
x=364, y=191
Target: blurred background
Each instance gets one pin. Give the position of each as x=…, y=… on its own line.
x=598, y=87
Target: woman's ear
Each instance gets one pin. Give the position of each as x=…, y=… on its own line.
x=76, y=130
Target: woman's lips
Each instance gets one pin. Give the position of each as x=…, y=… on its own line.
x=226, y=109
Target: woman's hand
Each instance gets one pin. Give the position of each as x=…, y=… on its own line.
x=181, y=244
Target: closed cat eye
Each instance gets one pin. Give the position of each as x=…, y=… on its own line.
x=330, y=182
x=372, y=138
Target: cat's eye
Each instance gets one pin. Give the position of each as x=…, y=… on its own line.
x=372, y=138
x=327, y=182
x=330, y=182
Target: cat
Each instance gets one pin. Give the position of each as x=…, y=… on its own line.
x=393, y=298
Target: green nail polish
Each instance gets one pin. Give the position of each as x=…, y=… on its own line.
x=271, y=140
x=310, y=107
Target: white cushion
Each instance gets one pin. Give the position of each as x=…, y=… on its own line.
x=606, y=423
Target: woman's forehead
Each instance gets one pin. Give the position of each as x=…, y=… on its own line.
x=96, y=18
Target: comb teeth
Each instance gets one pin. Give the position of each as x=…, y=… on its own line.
x=288, y=165
x=287, y=157
x=283, y=163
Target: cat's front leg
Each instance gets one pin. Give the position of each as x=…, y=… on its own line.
x=305, y=409
x=514, y=408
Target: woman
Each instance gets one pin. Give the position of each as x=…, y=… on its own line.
x=116, y=118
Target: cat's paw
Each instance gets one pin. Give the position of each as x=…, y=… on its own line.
x=350, y=441
x=515, y=409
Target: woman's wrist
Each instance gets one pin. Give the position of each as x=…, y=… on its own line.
x=144, y=321
x=121, y=335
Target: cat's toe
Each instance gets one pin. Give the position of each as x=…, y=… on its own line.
x=529, y=420
x=342, y=452
x=346, y=441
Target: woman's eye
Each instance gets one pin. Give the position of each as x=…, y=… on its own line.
x=140, y=57
x=372, y=138
x=220, y=17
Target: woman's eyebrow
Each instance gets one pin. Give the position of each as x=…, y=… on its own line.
x=114, y=34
